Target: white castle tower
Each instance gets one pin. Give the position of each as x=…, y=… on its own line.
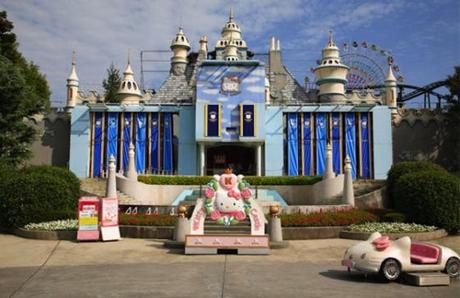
x=231, y=46
x=180, y=47
x=390, y=89
x=331, y=74
x=129, y=91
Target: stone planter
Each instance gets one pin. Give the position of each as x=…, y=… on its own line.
x=45, y=235
x=156, y=232
x=423, y=236
x=304, y=233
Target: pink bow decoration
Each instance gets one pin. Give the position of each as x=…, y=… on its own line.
x=234, y=194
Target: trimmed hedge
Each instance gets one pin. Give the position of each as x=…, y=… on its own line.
x=430, y=198
x=36, y=195
x=253, y=180
x=329, y=218
x=406, y=167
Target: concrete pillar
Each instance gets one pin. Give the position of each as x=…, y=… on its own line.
x=182, y=225
x=131, y=173
x=275, y=231
x=348, y=193
x=329, y=173
x=259, y=160
x=111, y=191
x=202, y=160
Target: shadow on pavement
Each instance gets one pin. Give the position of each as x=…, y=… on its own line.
x=353, y=276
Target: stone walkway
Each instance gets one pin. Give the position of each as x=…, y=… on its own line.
x=143, y=267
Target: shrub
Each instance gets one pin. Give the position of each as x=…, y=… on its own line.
x=429, y=197
x=147, y=220
x=63, y=173
x=328, y=218
x=253, y=180
x=394, y=217
x=407, y=167
x=36, y=197
x=56, y=225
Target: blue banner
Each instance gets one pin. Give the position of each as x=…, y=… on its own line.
x=141, y=135
x=350, y=141
x=167, y=143
x=321, y=138
x=126, y=139
x=97, y=162
x=365, y=156
x=154, y=141
x=306, y=144
x=293, y=150
x=112, y=137
x=247, y=120
x=336, y=156
x=212, y=121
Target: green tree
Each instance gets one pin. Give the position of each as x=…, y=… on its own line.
x=24, y=92
x=453, y=84
x=111, y=84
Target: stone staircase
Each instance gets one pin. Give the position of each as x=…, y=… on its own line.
x=98, y=186
x=243, y=227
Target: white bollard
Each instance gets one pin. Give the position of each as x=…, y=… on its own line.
x=111, y=191
x=348, y=193
x=329, y=173
x=131, y=173
x=275, y=231
x=182, y=225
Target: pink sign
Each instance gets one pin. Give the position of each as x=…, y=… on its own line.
x=109, y=216
x=88, y=218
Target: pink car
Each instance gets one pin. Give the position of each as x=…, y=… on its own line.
x=390, y=258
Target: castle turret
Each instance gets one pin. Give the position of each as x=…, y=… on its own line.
x=129, y=91
x=390, y=89
x=72, y=85
x=231, y=36
x=203, y=52
x=331, y=74
x=180, y=47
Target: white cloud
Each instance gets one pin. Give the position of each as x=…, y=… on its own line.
x=256, y=89
x=210, y=91
x=252, y=79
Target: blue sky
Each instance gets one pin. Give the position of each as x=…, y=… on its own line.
x=423, y=36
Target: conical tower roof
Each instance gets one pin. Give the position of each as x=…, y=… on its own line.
x=128, y=85
x=72, y=80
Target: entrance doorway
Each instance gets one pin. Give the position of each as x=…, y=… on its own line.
x=240, y=158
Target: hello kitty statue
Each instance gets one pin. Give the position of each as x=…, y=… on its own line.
x=227, y=198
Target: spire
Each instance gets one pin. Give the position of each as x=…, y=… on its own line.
x=128, y=73
x=231, y=15
x=73, y=78
x=390, y=76
x=331, y=42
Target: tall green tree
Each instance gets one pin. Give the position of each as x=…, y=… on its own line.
x=453, y=83
x=24, y=92
x=111, y=84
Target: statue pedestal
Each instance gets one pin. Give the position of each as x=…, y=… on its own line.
x=213, y=244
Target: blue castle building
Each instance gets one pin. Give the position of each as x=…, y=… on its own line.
x=225, y=108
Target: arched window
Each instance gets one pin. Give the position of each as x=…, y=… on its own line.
x=129, y=85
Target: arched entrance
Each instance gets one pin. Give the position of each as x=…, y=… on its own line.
x=240, y=158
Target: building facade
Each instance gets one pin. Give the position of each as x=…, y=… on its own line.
x=225, y=108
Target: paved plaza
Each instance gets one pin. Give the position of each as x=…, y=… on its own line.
x=144, y=268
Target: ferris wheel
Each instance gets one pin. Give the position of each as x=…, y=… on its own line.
x=368, y=64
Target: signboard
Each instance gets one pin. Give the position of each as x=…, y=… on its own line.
x=230, y=85
x=109, y=219
x=88, y=219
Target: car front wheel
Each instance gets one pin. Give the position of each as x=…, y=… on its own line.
x=453, y=267
x=390, y=270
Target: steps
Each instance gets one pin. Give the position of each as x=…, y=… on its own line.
x=211, y=227
x=98, y=186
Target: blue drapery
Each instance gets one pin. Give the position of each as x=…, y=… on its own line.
x=126, y=139
x=213, y=121
x=321, y=138
x=97, y=163
x=167, y=143
x=248, y=118
x=365, y=158
x=293, y=151
x=336, y=160
x=141, y=130
x=154, y=141
x=350, y=141
x=306, y=144
x=112, y=137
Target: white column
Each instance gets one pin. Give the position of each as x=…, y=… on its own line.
x=202, y=160
x=348, y=192
x=131, y=174
x=259, y=160
x=329, y=173
x=111, y=191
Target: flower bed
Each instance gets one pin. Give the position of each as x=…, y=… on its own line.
x=147, y=220
x=390, y=227
x=328, y=218
x=56, y=225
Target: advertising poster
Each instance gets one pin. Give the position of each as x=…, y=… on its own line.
x=109, y=219
x=88, y=219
